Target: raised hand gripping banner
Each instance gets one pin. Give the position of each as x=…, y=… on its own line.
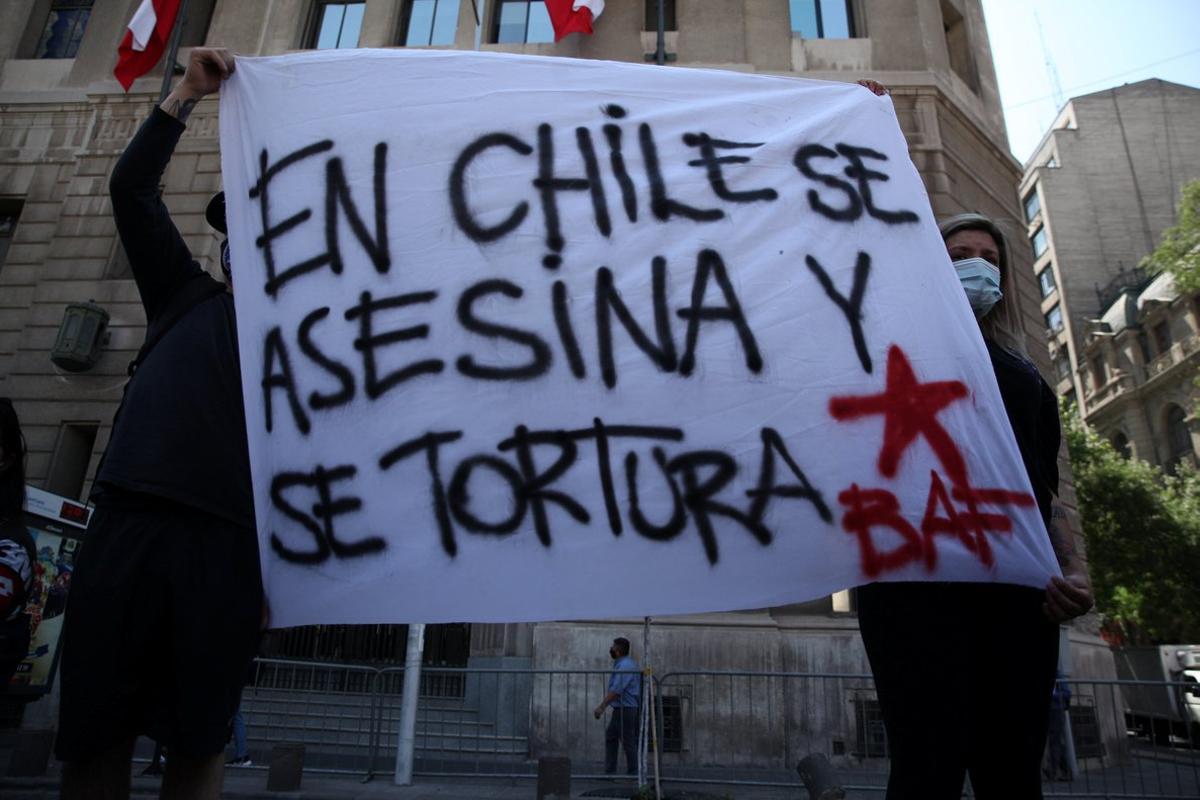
x=528, y=338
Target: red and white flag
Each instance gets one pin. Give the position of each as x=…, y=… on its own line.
x=573, y=16
x=146, y=40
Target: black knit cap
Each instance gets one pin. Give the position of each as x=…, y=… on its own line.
x=977, y=222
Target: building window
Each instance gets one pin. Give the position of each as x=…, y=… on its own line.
x=521, y=22
x=1120, y=443
x=10, y=212
x=64, y=29
x=1099, y=371
x=668, y=15
x=958, y=45
x=870, y=736
x=1179, y=438
x=336, y=25
x=430, y=22
x=1046, y=281
x=446, y=645
x=822, y=19
x=1162, y=337
x=1062, y=365
x=1032, y=205
x=1039, y=242
x=1054, y=319
x=68, y=468
x=1144, y=346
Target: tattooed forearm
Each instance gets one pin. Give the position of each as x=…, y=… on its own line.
x=179, y=108
x=1060, y=537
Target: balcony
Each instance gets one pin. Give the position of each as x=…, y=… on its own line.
x=1124, y=381
x=1177, y=354
x=1118, y=384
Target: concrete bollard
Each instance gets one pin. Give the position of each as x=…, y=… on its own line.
x=554, y=778
x=820, y=778
x=287, y=767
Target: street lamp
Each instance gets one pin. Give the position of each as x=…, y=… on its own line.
x=77, y=348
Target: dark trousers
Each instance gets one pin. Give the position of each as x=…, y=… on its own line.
x=161, y=625
x=623, y=728
x=1056, y=739
x=963, y=673
x=14, y=646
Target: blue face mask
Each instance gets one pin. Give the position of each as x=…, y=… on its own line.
x=981, y=281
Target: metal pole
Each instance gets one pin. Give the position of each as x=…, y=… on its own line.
x=172, y=51
x=654, y=730
x=478, y=24
x=649, y=718
x=660, y=53
x=407, y=738
x=643, y=732
x=1064, y=666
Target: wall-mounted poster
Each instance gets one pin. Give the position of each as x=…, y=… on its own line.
x=57, y=526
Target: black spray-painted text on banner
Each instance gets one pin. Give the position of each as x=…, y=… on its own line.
x=836, y=180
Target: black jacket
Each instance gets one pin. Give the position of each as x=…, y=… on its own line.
x=180, y=433
x=1032, y=412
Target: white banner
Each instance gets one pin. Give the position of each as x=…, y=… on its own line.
x=527, y=338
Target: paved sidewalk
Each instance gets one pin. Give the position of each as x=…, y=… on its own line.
x=250, y=784
x=1176, y=777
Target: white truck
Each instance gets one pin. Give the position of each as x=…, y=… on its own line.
x=1157, y=711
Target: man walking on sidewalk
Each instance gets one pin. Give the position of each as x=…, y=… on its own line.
x=624, y=696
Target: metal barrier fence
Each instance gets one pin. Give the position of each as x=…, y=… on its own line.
x=753, y=728
x=729, y=728
x=330, y=708
x=482, y=722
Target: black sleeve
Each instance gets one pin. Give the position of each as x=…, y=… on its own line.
x=159, y=257
x=1049, y=436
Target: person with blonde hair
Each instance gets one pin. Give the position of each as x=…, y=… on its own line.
x=964, y=671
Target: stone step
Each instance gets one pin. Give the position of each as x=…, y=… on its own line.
x=465, y=717
x=390, y=703
x=349, y=733
x=273, y=716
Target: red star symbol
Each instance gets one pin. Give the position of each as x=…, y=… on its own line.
x=910, y=410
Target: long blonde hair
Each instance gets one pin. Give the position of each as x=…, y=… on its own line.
x=1001, y=324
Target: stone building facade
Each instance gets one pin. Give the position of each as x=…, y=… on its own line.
x=64, y=120
x=1097, y=194
x=1139, y=362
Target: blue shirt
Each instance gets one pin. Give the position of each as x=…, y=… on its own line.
x=626, y=683
x=1060, y=696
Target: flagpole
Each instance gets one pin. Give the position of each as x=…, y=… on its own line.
x=660, y=52
x=173, y=50
x=478, y=24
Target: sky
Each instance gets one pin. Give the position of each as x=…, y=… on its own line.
x=1093, y=44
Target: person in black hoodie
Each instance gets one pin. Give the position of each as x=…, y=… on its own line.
x=165, y=605
x=17, y=552
x=963, y=671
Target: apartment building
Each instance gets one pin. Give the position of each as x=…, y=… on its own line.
x=1096, y=196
